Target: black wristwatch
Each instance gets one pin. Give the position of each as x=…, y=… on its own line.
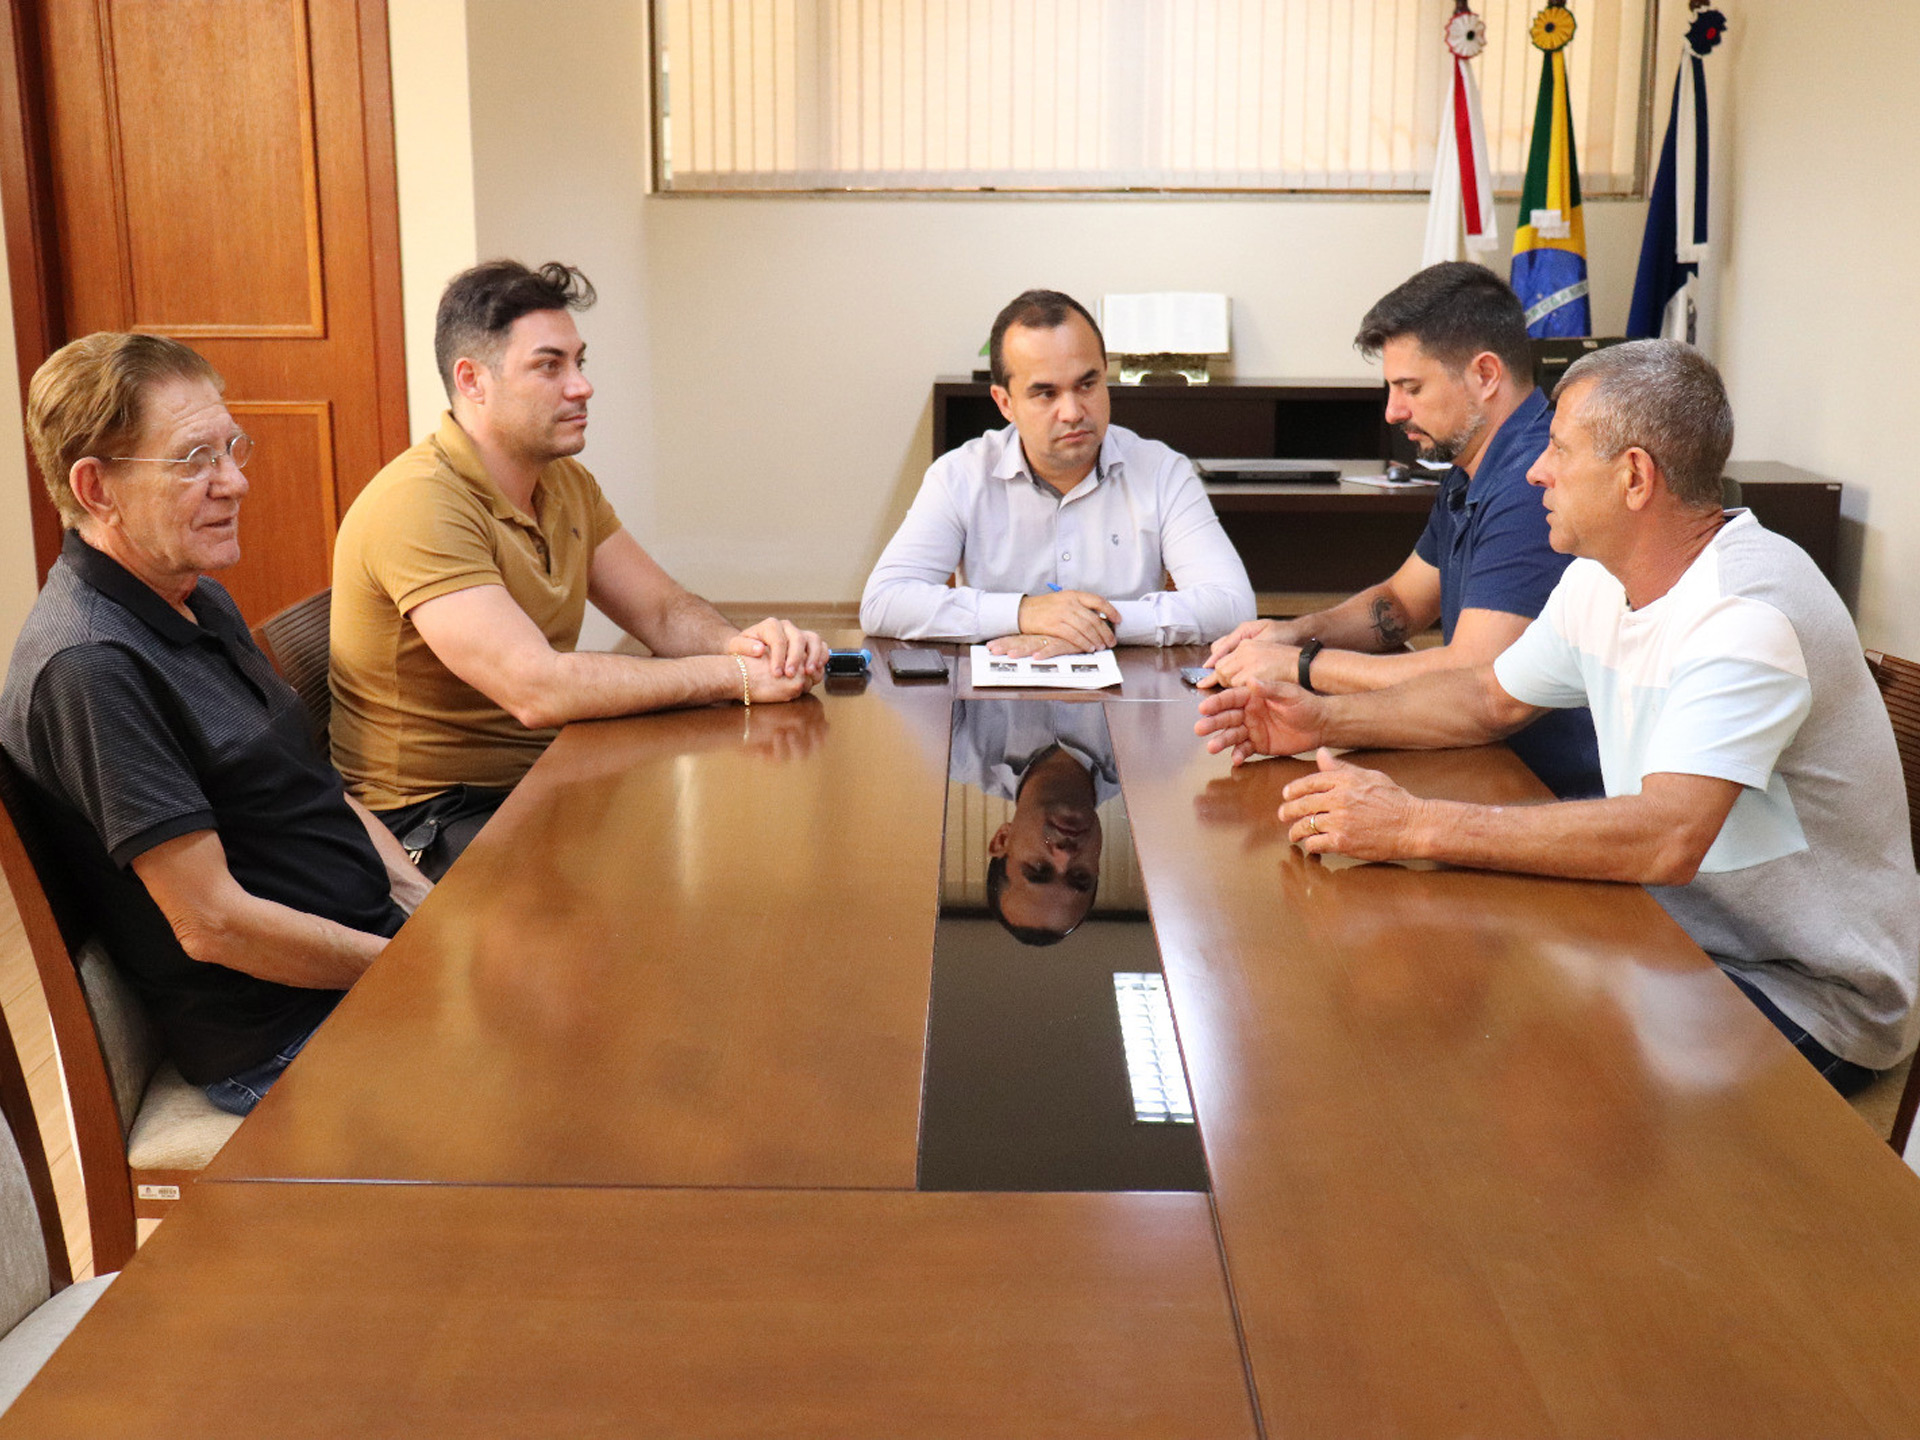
x=1307, y=652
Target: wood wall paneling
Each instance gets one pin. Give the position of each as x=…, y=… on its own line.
x=245, y=182
x=26, y=203
x=291, y=507
x=221, y=171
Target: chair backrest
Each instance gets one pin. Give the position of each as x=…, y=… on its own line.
x=296, y=640
x=33, y=1248
x=129, y=1040
x=1899, y=682
x=100, y=1116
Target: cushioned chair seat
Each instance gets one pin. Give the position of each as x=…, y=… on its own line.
x=177, y=1127
x=26, y=1347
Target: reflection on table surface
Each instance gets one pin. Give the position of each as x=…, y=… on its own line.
x=1040, y=1068
x=650, y=969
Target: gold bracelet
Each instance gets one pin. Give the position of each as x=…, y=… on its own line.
x=746, y=689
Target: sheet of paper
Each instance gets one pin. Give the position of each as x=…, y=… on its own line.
x=1390, y=482
x=1062, y=672
x=1169, y=323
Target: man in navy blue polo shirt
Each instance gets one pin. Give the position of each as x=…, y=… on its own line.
x=1459, y=368
x=213, y=845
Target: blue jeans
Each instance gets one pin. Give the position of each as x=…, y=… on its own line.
x=240, y=1092
x=1845, y=1076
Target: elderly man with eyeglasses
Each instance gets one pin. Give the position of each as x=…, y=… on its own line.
x=232, y=880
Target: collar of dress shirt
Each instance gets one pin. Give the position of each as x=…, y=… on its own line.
x=1012, y=464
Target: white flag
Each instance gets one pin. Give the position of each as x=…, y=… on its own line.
x=1460, y=220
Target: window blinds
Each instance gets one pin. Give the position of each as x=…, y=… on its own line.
x=1115, y=94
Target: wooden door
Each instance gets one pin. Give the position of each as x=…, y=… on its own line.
x=221, y=171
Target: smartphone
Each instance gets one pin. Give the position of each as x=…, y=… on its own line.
x=917, y=664
x=846, y=663
x=1196, y=675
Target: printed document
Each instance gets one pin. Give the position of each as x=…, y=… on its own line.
x=1062, y=672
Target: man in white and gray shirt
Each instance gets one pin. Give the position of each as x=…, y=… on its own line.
x=1751, y=775
x=1063, y=530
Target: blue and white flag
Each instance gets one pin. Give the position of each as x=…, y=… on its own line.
x=1666, y=289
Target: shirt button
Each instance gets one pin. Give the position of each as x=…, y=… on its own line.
x=1066, y=554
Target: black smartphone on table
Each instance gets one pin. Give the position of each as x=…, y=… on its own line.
x=917, y=664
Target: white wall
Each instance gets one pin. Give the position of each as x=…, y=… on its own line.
x=433, y=154
x=1823, y=119
x=559, y=159
x=764, y=365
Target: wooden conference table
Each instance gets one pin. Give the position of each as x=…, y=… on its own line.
x=619, y=1138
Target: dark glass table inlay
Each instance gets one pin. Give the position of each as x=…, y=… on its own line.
x=1041, y=906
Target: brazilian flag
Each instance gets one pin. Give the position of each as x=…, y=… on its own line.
x=1550, y=242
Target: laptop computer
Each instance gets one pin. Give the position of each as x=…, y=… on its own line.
x=1268, y=472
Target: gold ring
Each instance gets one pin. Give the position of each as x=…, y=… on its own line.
x=1313, y=824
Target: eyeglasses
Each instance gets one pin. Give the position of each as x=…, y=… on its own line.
x=202, y=460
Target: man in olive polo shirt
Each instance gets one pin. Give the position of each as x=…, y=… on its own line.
x=462, y=574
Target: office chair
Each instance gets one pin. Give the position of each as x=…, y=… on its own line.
x=296, y=640
x=141, y=1130
x=39, y=1304
x=1899, y=682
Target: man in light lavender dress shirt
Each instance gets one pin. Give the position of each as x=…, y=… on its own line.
x=1064, y=531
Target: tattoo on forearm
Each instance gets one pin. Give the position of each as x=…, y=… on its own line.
x=1389, y=623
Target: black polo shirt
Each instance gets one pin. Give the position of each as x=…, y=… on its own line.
x=135, y=726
